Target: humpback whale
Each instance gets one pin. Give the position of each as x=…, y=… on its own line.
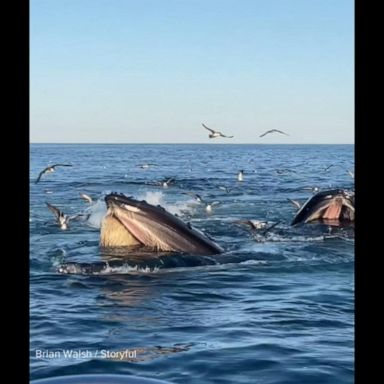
x=133, y=223
x=332, y=207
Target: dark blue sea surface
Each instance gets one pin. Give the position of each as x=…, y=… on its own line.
x=271, y=309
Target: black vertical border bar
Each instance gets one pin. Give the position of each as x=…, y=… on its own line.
x=15, y=188
x=368, y=175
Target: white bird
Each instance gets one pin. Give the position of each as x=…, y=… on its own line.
x=209, y=206
x=214, y=133
x=50, y=169
x=195, y=196
x=224, y=188
x=313, y=189
x=253, y=224
x=165, y=183
x=240, y=176
x=295, y=203
x=62, y=219
x=86, y=198
x=146, y=165
x=256, y=225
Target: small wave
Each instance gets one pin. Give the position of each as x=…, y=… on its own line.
x=138, y=263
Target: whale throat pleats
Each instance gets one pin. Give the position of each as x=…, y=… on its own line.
x=114, y=234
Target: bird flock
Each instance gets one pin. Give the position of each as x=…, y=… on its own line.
x=259, y=228
x=214, y=134
x=63, y=220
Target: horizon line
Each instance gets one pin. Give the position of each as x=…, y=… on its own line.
x=183, y=143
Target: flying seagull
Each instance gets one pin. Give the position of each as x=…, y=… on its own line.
x=295, y=203
x=86, y=198
x=326, y=169
x=253, y=224
x=350, y=173
x=272, y=131
x=256, y=225
x=214, y=133
x=195, y=196
x=62, y=219
x=225, y=188
x=50, y=169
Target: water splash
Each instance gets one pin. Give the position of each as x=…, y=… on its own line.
x=97, y=211
x=179, y=208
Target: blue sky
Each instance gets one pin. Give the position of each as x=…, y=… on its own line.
x=135, y=71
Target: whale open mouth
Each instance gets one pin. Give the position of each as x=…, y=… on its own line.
x=332, y=207
x=130, y=223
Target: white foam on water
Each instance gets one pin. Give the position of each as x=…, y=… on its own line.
x=254, y=262
x=127, y=269
x=300, y=239
x=59, y=257
x=77, y=269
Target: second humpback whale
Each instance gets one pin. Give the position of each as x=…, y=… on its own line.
x=332, y=207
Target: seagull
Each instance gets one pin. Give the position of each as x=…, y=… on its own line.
x=50, y=169
x=284, y=171
x=256, y=225
x=209, y=206
x=253, y=224
x=295, y=203
x=224, y=188
x=62, y=219
x=313, y=189
x=214, y=133
x=270, y=227
x=195, y=196
x=165, y=183
x=146, y=165
x=240, y=175
x=327, y=168
x=86, y=198
x=350, y=173
x=272, y=131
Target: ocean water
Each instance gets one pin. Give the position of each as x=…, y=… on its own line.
x=271, y=309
